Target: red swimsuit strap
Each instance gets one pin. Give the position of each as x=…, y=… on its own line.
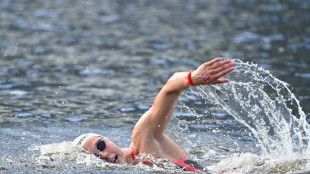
x=133, y=155
x=187, y=166
x=180, y=163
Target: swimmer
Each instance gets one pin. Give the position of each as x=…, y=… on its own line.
x=148, y=135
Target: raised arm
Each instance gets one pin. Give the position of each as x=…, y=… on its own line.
x=153, y=123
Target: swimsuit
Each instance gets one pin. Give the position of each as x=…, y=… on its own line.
x=186, y=163
x=190, y=165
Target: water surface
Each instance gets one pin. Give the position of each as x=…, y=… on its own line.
x=70, y=67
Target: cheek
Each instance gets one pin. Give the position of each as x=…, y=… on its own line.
x=115, y=149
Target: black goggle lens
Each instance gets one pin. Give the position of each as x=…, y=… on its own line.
x=101, y=145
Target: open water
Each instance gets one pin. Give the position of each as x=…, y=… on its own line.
x=70, y=67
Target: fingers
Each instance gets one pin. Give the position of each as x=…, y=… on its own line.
x=223, y=67
x=212, y=72
x=220, y=64
x=223, y=72
x=216, y=69
x=212, y=61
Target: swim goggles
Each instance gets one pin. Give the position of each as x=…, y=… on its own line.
x=100, y=146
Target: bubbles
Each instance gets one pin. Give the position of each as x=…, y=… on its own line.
x=235, y=162
x=53, y=155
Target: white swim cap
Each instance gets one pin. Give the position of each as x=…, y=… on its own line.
x=79, y=141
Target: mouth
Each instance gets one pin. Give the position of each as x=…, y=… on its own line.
x=114, y=159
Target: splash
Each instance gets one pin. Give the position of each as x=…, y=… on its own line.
x=66, y=154
x=266, y=106
x=58, y=153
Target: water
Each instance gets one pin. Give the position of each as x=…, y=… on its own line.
x=266, y=106
x=273, y=124
x=71, y=67
x=271, y=112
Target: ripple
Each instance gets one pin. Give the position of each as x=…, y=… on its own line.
x=113, y=125
x=49, y=27
x=24, y=114
x=6, y=86
x=127, y=109
x=80, y=102
x=46, y=115
x=18, y=93
x=204, y=127
x=190, y=45
x=3, y=45
x=298, y=65
x=143, y=107
x=91, y=71
x=185, y=116
x=109, y=20
x=18, y=23
x=46, y=14
x=76, y=119
x=245, y=37
x=25, y=64
x=273, y=8
x=161, y=44
x=17, y=84
x=38, y=51
x=303, y=75
x=239, y=25
x=221, y=115
x=295, y=47
x=37, y=120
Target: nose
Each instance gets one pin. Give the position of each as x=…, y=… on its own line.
x=105, y=156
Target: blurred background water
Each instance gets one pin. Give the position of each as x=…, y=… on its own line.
x=70, y=67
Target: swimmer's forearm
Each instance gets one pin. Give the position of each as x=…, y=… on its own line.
x=177, y=82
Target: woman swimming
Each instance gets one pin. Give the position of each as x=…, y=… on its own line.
x=148, y=135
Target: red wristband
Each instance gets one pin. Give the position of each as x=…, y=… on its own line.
x=188, y=79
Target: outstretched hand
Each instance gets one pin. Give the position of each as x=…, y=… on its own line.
x=212, y=71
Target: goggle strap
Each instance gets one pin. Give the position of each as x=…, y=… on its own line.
x=97, y=153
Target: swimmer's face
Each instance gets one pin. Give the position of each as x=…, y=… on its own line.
x=111, y=153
